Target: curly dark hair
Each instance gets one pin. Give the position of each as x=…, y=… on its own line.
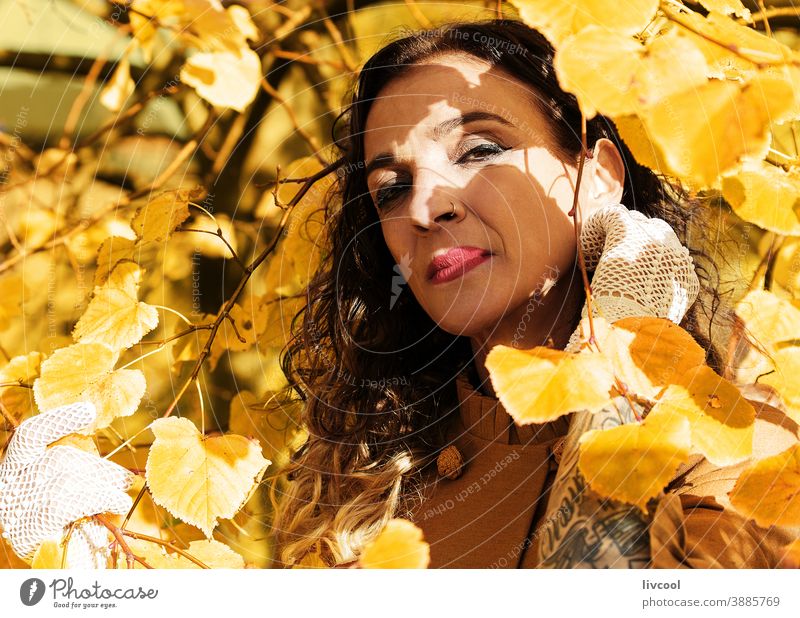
x=378, y=385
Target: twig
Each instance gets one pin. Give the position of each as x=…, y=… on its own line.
x=574, y=214
x=186, y=152
x=310, y=139
x=167, y=544
x=219, y=235
x=338, y=40
x=130, y=557
x=673, y=15
x=249, y=270
x=80, y=101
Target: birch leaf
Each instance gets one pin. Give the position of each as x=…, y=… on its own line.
x=633, y=463
x=541, y=384
x=769, y=490
x=200, y=479
x=720, y=418
x=224, y=78
x=115, y=316
x=400, y=545
x=558, y=20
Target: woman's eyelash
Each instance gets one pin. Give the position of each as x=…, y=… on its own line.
x=390, y=192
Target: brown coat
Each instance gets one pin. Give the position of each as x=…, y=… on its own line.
x=489, y=516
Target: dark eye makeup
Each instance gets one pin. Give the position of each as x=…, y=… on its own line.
x=390, y=192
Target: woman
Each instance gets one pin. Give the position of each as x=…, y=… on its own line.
x=460, y=162
x=461, y=156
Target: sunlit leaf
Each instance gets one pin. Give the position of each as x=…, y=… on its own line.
x=115, y=316
x=224, y=78
x=615, y=75
x=400, y=545
x=201, y=479
x=648, y=354
x=120, y=88
x=769, y=490
x=539, y=385
x=84, y=372
x=705, y=131
x=558, y=20
x=633, y=463
x=765, y=195
x=156, y=220
x=721, y=419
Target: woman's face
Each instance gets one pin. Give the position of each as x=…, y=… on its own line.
x=459, y=160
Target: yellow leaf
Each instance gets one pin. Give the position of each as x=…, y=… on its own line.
x=720, y=418
x=156, y=220
x=769, y=318
x=705, y=131
x=784, y=379
x=634, y=133
x=615, y=75
x=120, y=88
x=539, y=385
x=400, y=545
x=114, y=250
x=240, y=16
x=200, y=479
x=558, y=20
x=769, y=491
x=633, y=463
x=765, y=195
x=648, y=354
x=224, y=78
x=84, y=372
x=731, y=49
x=24, y=369
x=115, y=316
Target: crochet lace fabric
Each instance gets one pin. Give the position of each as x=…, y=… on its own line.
x=43, y=490
x=644, y=270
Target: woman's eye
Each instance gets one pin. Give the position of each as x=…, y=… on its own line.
x=389, y=193
x=481, y=152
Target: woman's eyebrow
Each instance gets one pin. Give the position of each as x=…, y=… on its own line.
x=387, y=159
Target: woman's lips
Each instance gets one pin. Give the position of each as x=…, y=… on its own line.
x=455, y=263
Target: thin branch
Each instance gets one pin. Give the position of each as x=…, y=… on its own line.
x=228, y=306
x=130, y=557
x=219, y=235
x=574, y=214
x=672, y=14
x=310, y=139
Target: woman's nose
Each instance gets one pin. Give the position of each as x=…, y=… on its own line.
x=431, y=204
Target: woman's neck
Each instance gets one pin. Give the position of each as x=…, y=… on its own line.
x=547, y=318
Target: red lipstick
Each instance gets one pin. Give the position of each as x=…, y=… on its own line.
x=455, y=262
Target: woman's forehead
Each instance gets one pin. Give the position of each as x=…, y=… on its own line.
x=439, y=89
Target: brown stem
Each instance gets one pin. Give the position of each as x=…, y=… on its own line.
x=574, y=214
x=130, y=557
x=228, y=306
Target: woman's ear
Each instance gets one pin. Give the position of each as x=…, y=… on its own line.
x=604, y=177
